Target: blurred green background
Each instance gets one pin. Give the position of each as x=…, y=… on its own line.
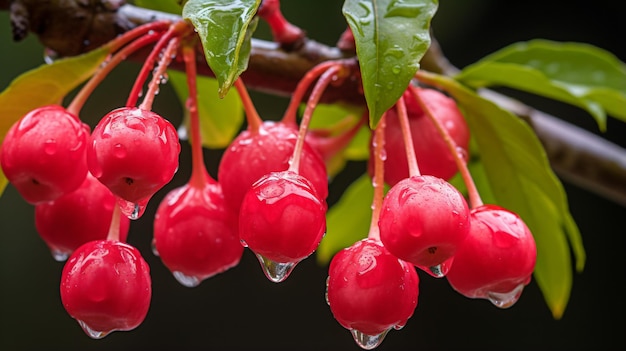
x=242, y=310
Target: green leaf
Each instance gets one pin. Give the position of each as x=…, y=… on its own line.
x=521, y=179
x=348, y=220
x=169, y=6
x=225, y=28
x=575, y=73
x=45, y=85
x=391, y=38
x=220, y=119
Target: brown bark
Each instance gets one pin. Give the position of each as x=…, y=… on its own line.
x=73, y=27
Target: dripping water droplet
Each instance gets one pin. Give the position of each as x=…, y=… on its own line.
x=326, y=292
x=130, y=209
x=153, y=247
x=94, y=334
x=59, y=255
x=186, y=280
x=506, y=300
x=276, y=271
x=182, y=132
x=366, y=341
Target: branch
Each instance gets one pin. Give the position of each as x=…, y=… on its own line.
x=70, y=28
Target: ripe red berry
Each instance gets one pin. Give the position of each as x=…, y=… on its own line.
x=78, y=217
x=252, y=155
x=423, y=221
x=195, y=234
x=43, y=154
x=133, y=152
x=497, y=258
x=370, y=291
x=106, y=287
x=282, y=220
x=432, y=153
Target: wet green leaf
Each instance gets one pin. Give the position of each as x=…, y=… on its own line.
x=575, y=73
x=47, y=84
x=220, y=119
x=170, y=6
x=225, y=28
x=391, y=38
x=521, y=179
x=348, y=220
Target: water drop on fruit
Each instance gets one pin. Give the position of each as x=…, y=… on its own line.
x=94, y=334
x=185, y=280
x=440, y=270
x=276, y=271
x=506, y=300
x=366, y=341
x=132, y=210
x=59, y=255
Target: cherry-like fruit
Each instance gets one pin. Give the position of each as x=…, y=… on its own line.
x=497, y=258
x=282, y=220
x=195, y=234
x=43, y=154
x=370, y=291
x=106, y=287
x=133, y=152
x=78, y=217
x=423, y=220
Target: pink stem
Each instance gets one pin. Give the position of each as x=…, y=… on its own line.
x=114, y=228
x=158, y=74
x=408, y=139
x=379, y=178
x=252, y=116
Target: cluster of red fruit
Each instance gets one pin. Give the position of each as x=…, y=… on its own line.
x=269, y=196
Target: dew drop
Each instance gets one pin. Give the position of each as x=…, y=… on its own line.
x=119, y=150
x=50, y=56
x=153, y=247
x=440, y=270
x=396, y=69
x=50, y=147
x=60, y=255
x=276, y=271
x=326, y=292
x=186, y=280
x=130, y=209
x=366, y=341
x=462, y=153
x=506, y=300
x=182, y=132
x=94, y=334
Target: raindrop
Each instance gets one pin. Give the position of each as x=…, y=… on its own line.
x=154, y=248
x=130, y=209
x=506, y=300
x=440, y=270
x=50, y=147
x=119, y=150
x=94, y=334
x=396, y=69
x=326, y=292
x=182, y=132
x=59, y=255
x=366, y=341
x=186, y=280
x=276, y=271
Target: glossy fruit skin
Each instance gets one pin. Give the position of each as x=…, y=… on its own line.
x=251, y=156
x=107, y=286
x=78, y=217
x=498, y=255
x=195, y=233
x=43, y=154
x=423, y=220
x=371, y=290
x=282, y=218
x=133, y=152
x=432, y=153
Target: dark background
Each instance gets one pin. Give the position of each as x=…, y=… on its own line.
x=241, y=309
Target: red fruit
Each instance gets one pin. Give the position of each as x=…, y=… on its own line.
x=43, y=154
x=252, y=155
x=423, y=220
x=195, y=234
x=370, y=291
x=78, y=217
x=282, y=220
x=432, y=153
x=133, y=152
x=106, y=286
x=497, y=258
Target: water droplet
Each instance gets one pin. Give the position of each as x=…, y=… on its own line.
x=130, y=209
x=396, y=69
x=368, y=342
x=119, y=150
x=276, y=271
x=506, y=300
x=440, y=270
x=182, y=132
x=50, y=147
x=49, y=56
x=326, y=292
x=154, y=248
x=462, y=153
x=94, y=334
x=186, y=280
x=59, y=255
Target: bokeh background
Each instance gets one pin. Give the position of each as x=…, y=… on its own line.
x=242, y=310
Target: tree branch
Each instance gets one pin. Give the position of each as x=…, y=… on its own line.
x=71, y=28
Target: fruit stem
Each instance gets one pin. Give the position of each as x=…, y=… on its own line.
x=316, y=94
x=252, y=116
x=379, y=178
x=474, y=196
x=284, y=32
x=81, y=97
x=408, y=139
x=303, y=85
x=159, y=73
x=147, y=29
x=114, y=228
x=329, y=146
x=177, y=29
x=199, y=175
